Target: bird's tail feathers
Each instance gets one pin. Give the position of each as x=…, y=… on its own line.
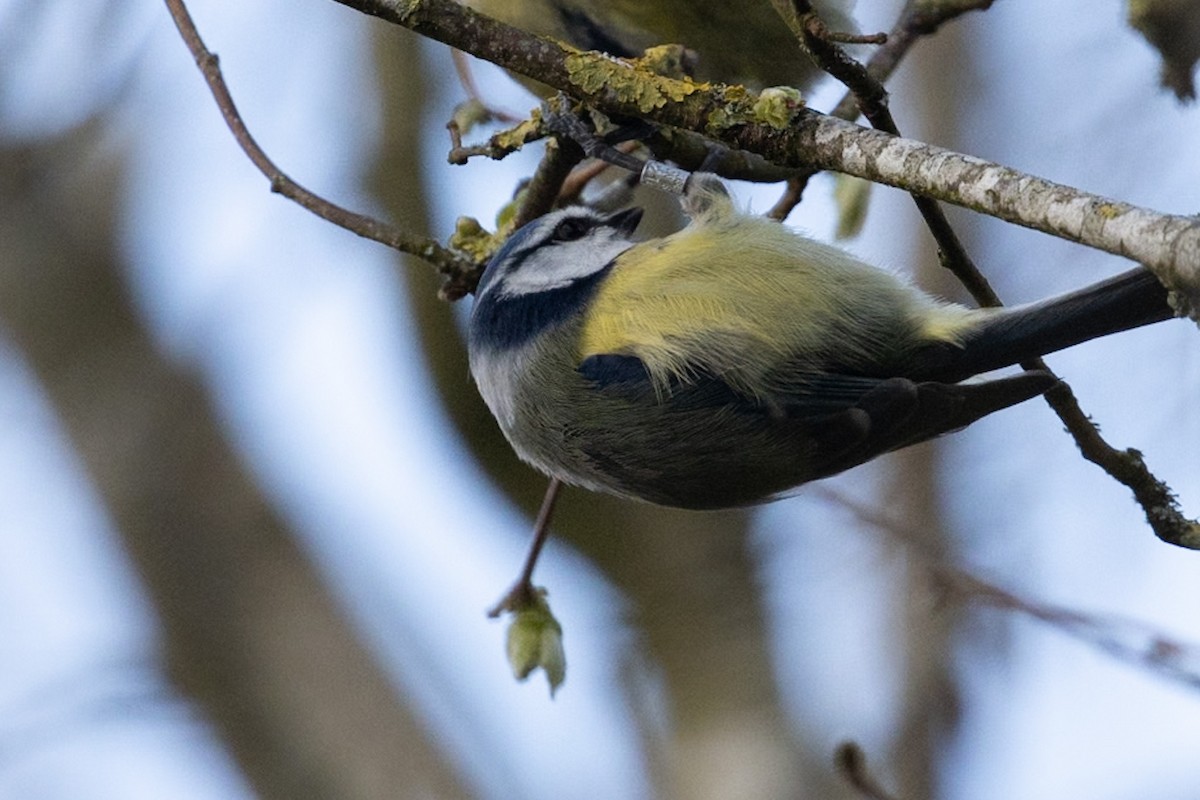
x=1012, y=336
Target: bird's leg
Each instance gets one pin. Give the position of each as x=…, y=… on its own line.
x=561, y=119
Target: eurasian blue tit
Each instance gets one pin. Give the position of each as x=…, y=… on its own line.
x=737, y=359
x=736, y=42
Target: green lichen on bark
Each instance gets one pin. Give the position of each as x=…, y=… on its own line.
x=594, y=73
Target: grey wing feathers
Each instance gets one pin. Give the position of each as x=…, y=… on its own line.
x=844, y=420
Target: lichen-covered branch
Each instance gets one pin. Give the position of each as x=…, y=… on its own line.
x=872, y=99
x=1169, y=245
x=1126, y=466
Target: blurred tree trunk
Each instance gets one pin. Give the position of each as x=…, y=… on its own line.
x=250, y=632
x=691, y=578
x=929, y=691
x=931, y=694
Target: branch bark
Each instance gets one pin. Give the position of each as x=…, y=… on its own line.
x=1169, y=245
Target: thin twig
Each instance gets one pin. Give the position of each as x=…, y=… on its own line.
x=1127, y=640
x=466, y=79
x=498, y=146
x=856, y=38
x=793, y=193
x=587, y=172
x=541, y=195
x=1127, y=467
x=524, y=593
x=446, y=261
x=871, y=99
x=918, y=19
x=851, y=763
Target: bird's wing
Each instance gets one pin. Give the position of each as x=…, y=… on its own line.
x=844, y=420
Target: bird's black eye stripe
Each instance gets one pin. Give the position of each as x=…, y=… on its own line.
x=570, y=229
x=528, y=240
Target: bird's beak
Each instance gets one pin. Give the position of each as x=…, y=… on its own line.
x=625, y=221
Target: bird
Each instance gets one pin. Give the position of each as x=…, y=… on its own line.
x=732, y=361
x=734, y=42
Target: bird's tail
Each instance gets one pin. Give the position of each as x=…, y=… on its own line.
x=1129, y=300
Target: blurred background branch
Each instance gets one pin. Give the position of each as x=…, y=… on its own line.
x=250, y=633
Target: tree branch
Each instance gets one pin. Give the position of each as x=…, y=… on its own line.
x=1132, y=641
x=919, y=18
x=872, y=99
x=1167, y=244
x=851, y=763
x=446, y=261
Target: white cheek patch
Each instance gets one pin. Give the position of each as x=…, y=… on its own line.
x=560, y=264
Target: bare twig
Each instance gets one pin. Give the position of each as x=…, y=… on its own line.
x=498, y=146
x=446, y=261
x=793, y=193
x=541, y=195
x=585, y=173
x=856, y=38
x=1127, y=640
x=466, y=78
x=851, y=762
x=919, y=18
x=871, y=98
x=1156, y=499
x=523, y=593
